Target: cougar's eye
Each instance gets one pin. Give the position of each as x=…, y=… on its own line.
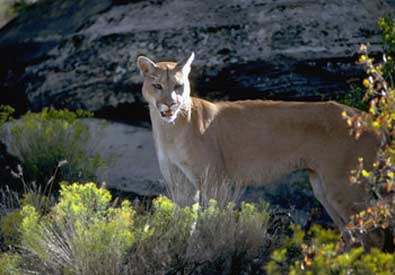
x=157, y=86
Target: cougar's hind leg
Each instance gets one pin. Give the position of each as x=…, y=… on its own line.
x=341, y=211
x=320, y=193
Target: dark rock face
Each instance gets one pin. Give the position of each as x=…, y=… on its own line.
x=81, y=54
x=28, y=39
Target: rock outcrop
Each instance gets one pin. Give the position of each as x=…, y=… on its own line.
x=133, y=166
x=81, y=54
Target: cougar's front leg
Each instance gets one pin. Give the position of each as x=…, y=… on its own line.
x=178, y=186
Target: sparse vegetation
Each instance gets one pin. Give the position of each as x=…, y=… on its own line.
x=42, y=140
x=9, y=264
x=354, y=98
x=380, y=179
x=194, y=239
x=85, y=227
x=79, y=232
x=321, y=251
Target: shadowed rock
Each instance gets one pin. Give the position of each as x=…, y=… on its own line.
x=81, y=54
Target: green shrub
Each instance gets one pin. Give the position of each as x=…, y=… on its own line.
x=82, y=234
x=290, y=251
x=42, y=140
x=87, y=233
x=380, y=180
x=9, y=224
x=9, y=264
x=162, y=237
x=5, y=113
x=173, y=239
x=354, y=98
x=11, y=220
x=321, y=252
x=387, y=29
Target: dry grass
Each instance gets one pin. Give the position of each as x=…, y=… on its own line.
x=9, y=200
x=214, y=239
x=213, y=234
x=211, y=185
x=170, y=239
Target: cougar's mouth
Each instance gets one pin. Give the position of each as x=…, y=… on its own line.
x=167, y=113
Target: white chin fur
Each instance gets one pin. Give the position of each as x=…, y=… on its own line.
x=169, y=119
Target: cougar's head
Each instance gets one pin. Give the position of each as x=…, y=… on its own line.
x=166, y=86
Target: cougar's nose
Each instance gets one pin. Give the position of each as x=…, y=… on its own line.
x=173, y=106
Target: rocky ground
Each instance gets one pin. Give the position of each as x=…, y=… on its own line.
x=81, y=54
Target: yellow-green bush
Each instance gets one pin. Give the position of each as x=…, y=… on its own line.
x=9, y=225
x=87, y=233
x=82, y=234
x=387, y=29
x=11, y=219
x=380, y=180
x=42, y=140
x=9, y=264
x=162, y=238
x=193, y=239
x=5, y=113
x=320, y=252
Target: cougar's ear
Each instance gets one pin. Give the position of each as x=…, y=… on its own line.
x=145, y=65
x=185, y=65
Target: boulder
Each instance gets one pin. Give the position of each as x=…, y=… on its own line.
x=133, y=166
x=81, y=54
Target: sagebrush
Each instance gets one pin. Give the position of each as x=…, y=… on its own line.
x=87, y=232
x=43, y=140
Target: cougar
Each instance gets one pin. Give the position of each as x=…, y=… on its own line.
x=254, y=141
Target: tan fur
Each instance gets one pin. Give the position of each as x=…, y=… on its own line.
x=256, y=142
